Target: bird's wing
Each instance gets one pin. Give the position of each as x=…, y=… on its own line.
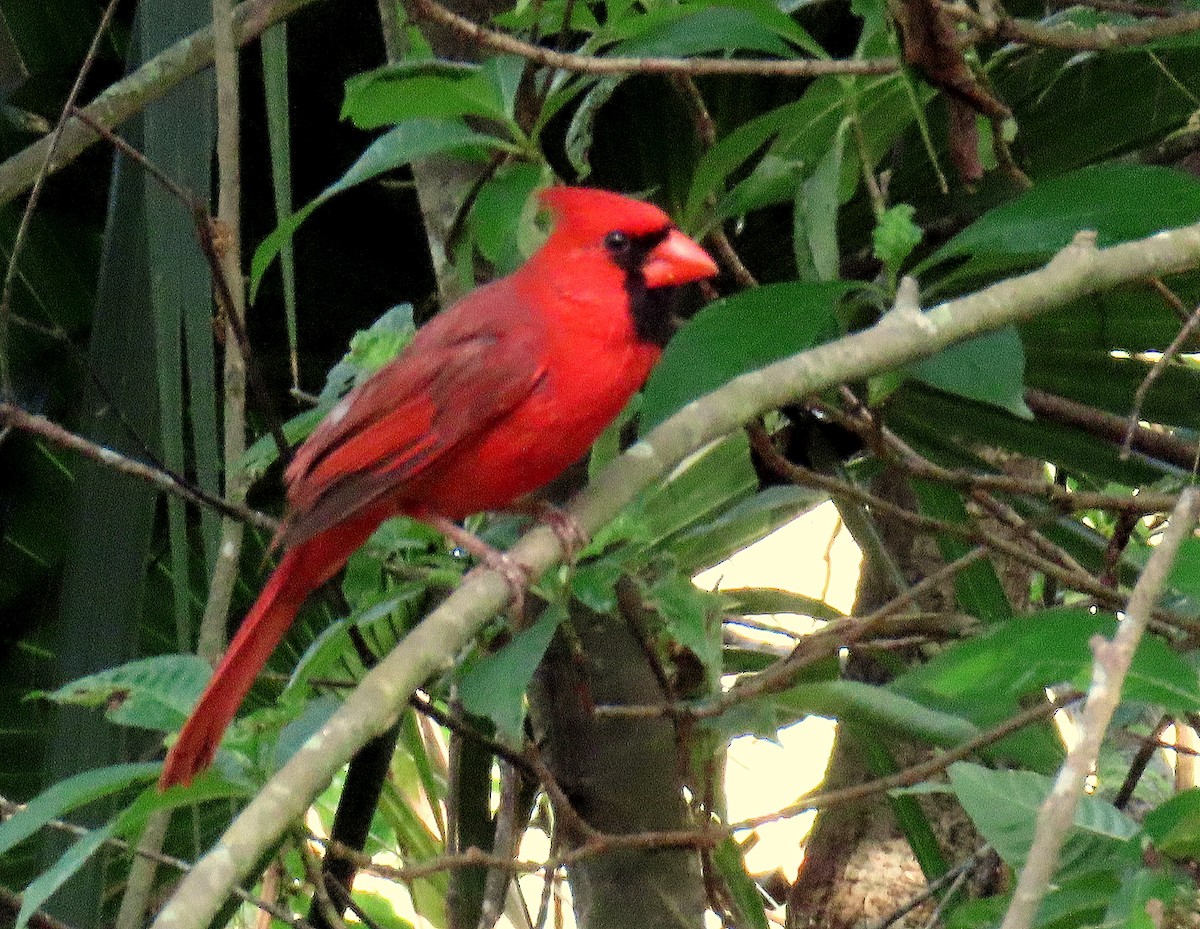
x=462, y=372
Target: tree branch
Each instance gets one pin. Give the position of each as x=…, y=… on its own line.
x=15, y=417
x=1111, y=661
x=130, y=96
x=902, y=336
x=606, y=64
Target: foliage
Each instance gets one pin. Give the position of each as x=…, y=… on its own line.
x=830, y=189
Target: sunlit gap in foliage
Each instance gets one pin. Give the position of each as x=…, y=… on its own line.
x=813, y=555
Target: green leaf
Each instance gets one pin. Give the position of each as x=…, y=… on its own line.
x=760, y=600
x=895, y=236
x=594, y=584
x=503, y=217
x=739, y=334
x=678, y=32
x=747, y=899
x=1022, y=657
x=1185, y=572
x=415, y=139
x=1117, y=202
x=69, y=794
x=1127, y=906
x=877, y=708
x=418, y=90
x=978, y=587
x=59, y=873
x=815, y=234
x=989, y=369
x=494, y=687
x=1174, y=826
x=153, y=693
x=1004, y=806
x=690, y=615
x=580, y=132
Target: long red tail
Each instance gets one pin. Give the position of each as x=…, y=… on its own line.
x=302, y=570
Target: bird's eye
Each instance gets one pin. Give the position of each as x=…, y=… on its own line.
x=616, y=242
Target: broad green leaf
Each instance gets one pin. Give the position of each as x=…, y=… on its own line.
x=1174, y=826
x=494, y=687
x=977, y=587
x=580, y=132
x=1020, y=658
x=437, y=89
x=882, y=106
x=154, y=693
x=877, y=708
x=731, y=152
x=1127, y=907
x=989, y=369
x=414, y=139
x=739, y=334
x=1185, y=572
x=1117, y=202
x=70, y=794
x=678, y=32
x=1004, y=806
x=370, y=349
x=759, y=600
x=690, y=616
x=594, y=584
x=937, y=420
x=710, y=542
x=381, y=910
x=503, y=217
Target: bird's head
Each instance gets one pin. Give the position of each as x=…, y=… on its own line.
x=604, y=243
x=636, y=236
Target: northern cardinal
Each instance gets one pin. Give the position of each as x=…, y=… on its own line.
x=492, y=399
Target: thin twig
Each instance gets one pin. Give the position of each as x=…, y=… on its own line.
x=1073, y=38
x=1109, y=667
x=160, y=478
x=1156, y=371
x=228, y=249
x=605, y=64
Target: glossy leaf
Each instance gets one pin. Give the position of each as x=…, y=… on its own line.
x=739, y=334
x=494, y=687
x=414, y=139
x=989, y=369
x=1004, y=806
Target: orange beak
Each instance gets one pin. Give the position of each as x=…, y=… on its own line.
x=677, y=260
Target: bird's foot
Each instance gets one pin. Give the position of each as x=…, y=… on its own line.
x=572, y=536
x=517, y=575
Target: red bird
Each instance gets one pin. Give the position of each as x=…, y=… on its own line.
x=493, y=399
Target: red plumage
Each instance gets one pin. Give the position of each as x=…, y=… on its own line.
x=493, y=399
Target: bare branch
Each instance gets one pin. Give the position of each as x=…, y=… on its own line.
x=15, y=417
x=1110, y=665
